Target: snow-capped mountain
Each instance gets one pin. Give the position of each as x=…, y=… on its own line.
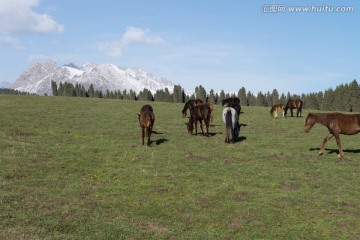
x=37, y=78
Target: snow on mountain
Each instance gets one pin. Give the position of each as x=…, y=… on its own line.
x=37, y=78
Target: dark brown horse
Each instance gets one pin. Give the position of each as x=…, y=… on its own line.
x=212, y=111
x=293, y=104
x=146, y=121
x=337, y=123
x=147, y=107
x=274, y=109
x=199, y=113
x=233, y=102
x=190, y=104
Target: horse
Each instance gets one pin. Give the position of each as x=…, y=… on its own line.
x=212, y=111
x=337, y=123
x=190, y=104
x=146, y=120
x=232, y=126
x=147, y=107
x=199, y=113
x=292, y=104
x=233, y=102
x=274, y=109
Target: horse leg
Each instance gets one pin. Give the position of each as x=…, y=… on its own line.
x=341, y=153
x=330, y=135
x=201, y=126
x=292, y=112
x=207, y=123
x=148, y=133
x=233, y=135
x=195, y=127
x=142, y=134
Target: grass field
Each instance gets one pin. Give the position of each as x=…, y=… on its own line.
x=74, y=168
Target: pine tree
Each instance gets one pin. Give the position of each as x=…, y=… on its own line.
x=251, y=99
x=54, y=88
x=274, y=97
x=242, y=96
x=354, y=97
x=211, y=97
x=221, y=97
x=91, y=91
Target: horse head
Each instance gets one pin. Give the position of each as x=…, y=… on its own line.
x=309, y=122
x=190, y=127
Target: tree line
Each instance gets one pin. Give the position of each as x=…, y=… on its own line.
x=11, y=91
x=345, y=97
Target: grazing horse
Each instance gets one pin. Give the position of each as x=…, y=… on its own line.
x=292, y=104
x=232, y=126
x=233, y=102
x=337, y=123
x=190, y=104
x=199, y=113
x=146, y=120
x=274, y=109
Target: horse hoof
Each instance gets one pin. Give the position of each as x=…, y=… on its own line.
x=320, y=153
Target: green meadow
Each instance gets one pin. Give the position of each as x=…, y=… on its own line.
x=75, y=168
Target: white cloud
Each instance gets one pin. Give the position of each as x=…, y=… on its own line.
x=18, y=17
x=138, y=35
x=131, y=36
x=10, y=41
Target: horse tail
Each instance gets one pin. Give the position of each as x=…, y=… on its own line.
x=229, y=125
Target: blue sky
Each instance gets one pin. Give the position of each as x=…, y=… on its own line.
x=259, y=45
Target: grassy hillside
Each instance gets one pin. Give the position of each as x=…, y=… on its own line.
x=75, y=168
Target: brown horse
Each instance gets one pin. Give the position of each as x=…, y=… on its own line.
x=337, y=123
x=233, y=102
x=147, y=107
x=274, y=109
x=146, y=121
x=293, y=104
x=212, y=111
x=190, y=104
x=199, y=113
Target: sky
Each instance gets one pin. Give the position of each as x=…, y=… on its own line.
x=219, y=44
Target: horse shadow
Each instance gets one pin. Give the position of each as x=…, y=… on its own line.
x=240, y=139
x=211, y=134
x=161, y=141
x=156, y=132
x=336, y=150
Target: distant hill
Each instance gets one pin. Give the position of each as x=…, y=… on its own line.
x=37, y=78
